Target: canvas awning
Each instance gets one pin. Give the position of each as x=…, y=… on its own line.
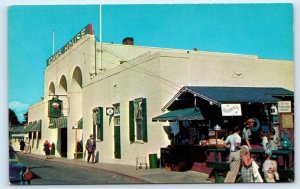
x=17, y=129
x=80, y=124
x=59, y=123
x=33, y=126
x=36, y=127
x=180, y=115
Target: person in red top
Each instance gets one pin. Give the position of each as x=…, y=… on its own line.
x=47, y=147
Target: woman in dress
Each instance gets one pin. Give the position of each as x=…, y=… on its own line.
x=47, y=147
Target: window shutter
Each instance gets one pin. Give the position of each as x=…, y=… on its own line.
x=100, y=124
x=144, y=112
x=94, y=130
x=131, y=121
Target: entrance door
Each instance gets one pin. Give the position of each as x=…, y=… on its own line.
x=64, y=142
x=117, y=137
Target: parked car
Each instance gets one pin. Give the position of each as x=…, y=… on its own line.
x=19, y=174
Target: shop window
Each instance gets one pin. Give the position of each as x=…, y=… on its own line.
x=116, y=109
x=117, y=121
x=30, y=135
x=138, y=120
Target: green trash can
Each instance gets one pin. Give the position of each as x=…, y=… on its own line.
x=153, y=161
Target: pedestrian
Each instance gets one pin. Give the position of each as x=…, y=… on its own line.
x=270, y=168
x=91, y=147
x=233, y=143
x=22, y=145
x=246, y=133
x=264, y=138
x=249, y=168
x=27, y=145
x=47, y=147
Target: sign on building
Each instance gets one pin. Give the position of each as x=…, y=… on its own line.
x=284, y=106
x=231, y=109
x=54, y=108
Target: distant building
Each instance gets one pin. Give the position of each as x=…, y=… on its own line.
x=114, y=91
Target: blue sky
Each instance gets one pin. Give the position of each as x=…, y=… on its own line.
x=265, y=30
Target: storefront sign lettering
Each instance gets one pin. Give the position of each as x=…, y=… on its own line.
x=284, y=106
x=86, y=30
x=231, y=109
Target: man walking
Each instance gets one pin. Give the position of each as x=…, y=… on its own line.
x=91, y=147
x=233, y=142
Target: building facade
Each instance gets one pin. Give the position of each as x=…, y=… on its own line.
x=114, y=91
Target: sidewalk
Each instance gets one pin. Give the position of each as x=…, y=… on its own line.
x=158, y=175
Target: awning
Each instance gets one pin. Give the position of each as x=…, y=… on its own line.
x=80, y=123
x=220, y=95
x=17, y=129
x=33, y=126
x=36, y=127
x=180, y=115
x=60, y=123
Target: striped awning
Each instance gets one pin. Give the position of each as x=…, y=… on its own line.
x=59, y=123
x=17, y=129
x=80, y=123
x=33, y=126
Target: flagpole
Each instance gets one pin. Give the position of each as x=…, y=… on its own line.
x=53, y=41
x=100, y=35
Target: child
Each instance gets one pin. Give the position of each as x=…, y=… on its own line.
x=265, y=142
x=272, y=143
x=270, y=168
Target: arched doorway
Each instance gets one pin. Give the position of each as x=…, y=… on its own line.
x=75, y=104
x=63, y=132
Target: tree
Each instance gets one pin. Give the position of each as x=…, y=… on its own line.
x=25, y=118
x=12, y=118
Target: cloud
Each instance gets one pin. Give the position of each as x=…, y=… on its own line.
x=19, y=108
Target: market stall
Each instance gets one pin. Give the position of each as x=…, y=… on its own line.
x=201, y=118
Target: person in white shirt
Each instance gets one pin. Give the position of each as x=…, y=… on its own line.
x=233, y=143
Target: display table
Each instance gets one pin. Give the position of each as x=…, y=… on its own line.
x=218, y=152
x=215, y=137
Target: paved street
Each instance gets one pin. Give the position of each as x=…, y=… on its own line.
x=58, y=173
x=68, y=171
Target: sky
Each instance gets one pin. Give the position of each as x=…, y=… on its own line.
x=265, y=30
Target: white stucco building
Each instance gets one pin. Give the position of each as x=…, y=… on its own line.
x=131, y=78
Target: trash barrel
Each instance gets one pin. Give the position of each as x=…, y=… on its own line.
x=153, y=161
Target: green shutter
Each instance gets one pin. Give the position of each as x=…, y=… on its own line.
x=131, y=121
x=117, y=136
x=100, y=125
x=94, y=130
x=144, y=112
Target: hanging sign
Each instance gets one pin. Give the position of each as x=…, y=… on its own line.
x=54, y=108
x=284, y=106
x=231, y=109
